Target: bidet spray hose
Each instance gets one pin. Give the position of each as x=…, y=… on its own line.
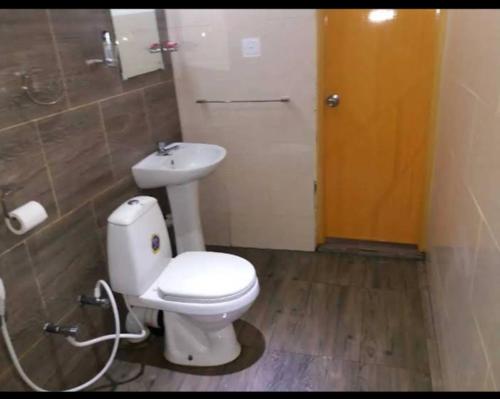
x=141, y=335
x=116, y=337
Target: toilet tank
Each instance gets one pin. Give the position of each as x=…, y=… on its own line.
x=138, y=246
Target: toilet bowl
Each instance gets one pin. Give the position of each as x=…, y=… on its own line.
x=200, y=293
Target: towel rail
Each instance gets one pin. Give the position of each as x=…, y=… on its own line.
x=276, y=100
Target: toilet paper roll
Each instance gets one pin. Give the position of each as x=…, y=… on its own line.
x=26, y=217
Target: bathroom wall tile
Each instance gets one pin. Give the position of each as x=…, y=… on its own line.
x=296, y=169
x=486, y=296
x=490, y=384
x=22, y=167
x=291, y=232
x=246, y=230
x=471, y=57
x=67, y=260
x=25, y=310
x=464, y=354
x=485, y=166
x=106, y=202
x=465, y=217
x=74, y=366
x=464, y=228
x=26, y=46
x=77, y=155
x=247, y=182
x=267, y=144
x=64, y=366
x=78, y=35
x=214, y=208
x=80, y=167
x=161, y=108
x=110, y=199
x=457, y=130
x=10, y=381
x=127, y=131
x=435, y=365
x=181, y=18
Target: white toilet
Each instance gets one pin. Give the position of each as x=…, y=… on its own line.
x=200, y=293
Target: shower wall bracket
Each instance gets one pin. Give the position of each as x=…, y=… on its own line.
x=27, y=87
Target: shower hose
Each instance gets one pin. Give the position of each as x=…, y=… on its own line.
x=116, y=337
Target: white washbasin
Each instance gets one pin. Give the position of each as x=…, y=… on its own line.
x=189, y=162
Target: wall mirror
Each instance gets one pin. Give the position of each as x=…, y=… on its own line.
x=140, y=39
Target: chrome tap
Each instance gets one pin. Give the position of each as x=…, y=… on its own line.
x=164, y=149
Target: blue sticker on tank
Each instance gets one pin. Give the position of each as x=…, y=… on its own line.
x=155, y=243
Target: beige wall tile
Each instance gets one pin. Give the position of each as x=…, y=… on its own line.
x=464, y=221
x=486, y=297
x=270, y=167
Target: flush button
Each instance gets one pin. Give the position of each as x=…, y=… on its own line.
x=133, y=202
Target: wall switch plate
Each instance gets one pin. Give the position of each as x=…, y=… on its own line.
x=250, y=47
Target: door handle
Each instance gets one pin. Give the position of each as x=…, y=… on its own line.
x=333, y=100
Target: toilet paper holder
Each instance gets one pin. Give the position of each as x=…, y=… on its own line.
x=4, y=193
x=24, y=218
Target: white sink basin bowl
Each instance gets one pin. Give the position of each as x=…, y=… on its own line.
x=190, y=161
x=179, y=172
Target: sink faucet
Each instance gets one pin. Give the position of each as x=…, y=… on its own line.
x=164, y=149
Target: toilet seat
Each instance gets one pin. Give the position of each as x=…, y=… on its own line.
x=206, y=277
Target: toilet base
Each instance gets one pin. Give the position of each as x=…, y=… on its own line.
x=191, y=341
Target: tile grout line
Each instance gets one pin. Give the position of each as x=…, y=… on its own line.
x=58, y=58
x=72, y=211
x=37, y=281
x=47, y=167
x=146, y=113
x=94, y=216
x=82, y=106
x=106, y=140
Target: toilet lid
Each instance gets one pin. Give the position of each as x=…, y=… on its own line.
x=206, y=277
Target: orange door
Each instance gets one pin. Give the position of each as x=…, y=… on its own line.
x=374, y=142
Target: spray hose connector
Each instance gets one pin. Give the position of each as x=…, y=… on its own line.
x=94, y=301
x=67, y=331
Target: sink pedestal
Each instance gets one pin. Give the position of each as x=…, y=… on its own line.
x=185, y=209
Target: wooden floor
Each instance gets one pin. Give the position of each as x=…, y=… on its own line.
x=322, y=321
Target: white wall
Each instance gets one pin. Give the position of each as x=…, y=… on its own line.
x=464, y=268
x=262, y=195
